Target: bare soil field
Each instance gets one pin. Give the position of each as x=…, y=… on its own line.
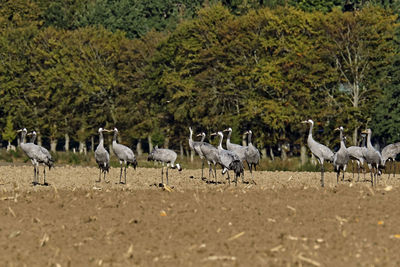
x=286, y=219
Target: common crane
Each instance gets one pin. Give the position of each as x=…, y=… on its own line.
x=211, y=154
x=228, y=160
x=235, y=148
x=251, y=154
x=357, y=153
x=373, y=158
x=37, y=155
x=323, y=153
x=167, y=156
x=341, y=157
x=102, y=156
x=124, y=154
x=389, y=153
x=195, y=146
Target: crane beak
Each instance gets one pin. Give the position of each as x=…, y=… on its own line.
x=199, y=134
x=247, y=132
x=226, y=130
x=213, y=134
x=304, y=122
x=29, y=134
x=337, y=129
x=364, y=132
x=106, y=130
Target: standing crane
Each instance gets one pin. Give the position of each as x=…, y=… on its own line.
x=389, y=153
x=357, y=153
x=228, y=160
x=195, y=146
x=124, y=154
x=102, y=156
x=252, y=154
x=211, y=155
x=341, y=157
x=44, y=157
x=323, y=153
x=373, y=158
x=235, y=148
x=167, y=156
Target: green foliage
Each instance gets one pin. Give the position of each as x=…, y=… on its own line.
x=9, y=132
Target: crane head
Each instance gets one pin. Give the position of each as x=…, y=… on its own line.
x=100, y=130
x=115, y=130
x=201, y=134
x=248, y=132
x=308, y=121
x=367, y=131
x=22, y=130
x=228, y=129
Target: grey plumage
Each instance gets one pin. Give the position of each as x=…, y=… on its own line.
x=124, y=154
x=102, y=156
x=228, y=160
x=357, y=153
x=167, y=156
x=373, y=158
x=238, y=149
x=320, y=151
x=37, y=155
x=211, y=155
x=252, y=154
x=389, y=153
x=195, y=146
x=341, y=157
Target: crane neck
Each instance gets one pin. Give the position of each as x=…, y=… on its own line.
x=101, y=139
x=221, y=137
x=203, y=137
x=249, y=138
x=23, y=134
x=33, y=139
x=363, y=142
x=369, y=144
x=342, y=144
x=190, y=138
x=115, y=137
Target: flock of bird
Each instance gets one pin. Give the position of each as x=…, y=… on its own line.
x=375, y=160
x=230, y=159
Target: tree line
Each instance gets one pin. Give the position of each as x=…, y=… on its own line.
x=152, y=70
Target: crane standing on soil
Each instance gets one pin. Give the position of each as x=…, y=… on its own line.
x=124, y=154
x=47, y=159
x=252, y=155
x=235, y=148
x=102, y=156
x=195, y=146
x=389, y=153
x=357, y=153
x=341, y=157
x=211, y=155
x=167, y=156
x=228, y=160
x=37, y=155
x=320, y=151
x=373, y=158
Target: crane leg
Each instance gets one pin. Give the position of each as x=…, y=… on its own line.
x=167, y=174
x=120, y=175
x=34, y=175
x=98, y=181
x=358, y=171
x=343, y=176
x=372, y=178
x=37, y=175
x=337, y=176
x=352, y=165
x=44, y=175
x=202, y=168
x=162, y=175
x=322, y=175
x=125, y=173
x=394, y=171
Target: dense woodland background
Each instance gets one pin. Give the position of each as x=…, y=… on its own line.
x=154, y=68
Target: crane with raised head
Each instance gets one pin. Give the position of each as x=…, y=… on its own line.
x=341, y=157
x=251, y=154
x=373, y=158
x=195, y=146
x=165, y=156
x=321, y=152
x=228, y=160
x=124, y=154
x=211, y=155
x=102, y=156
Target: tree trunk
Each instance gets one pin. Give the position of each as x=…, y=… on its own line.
x=92, y=143
x=303, y=155
x=355, y=136
x=181, y=149
x=18, y=142
x=139, y=148
x=313, y=159
x=191, y=155
x=264, y=152
x=271, y=153
x=82, y=147
x=9, y=146
x=283, y=152
x=39, y=139
x=150, y=143
x=109, y=140
x=53, y=144
x=166, y=142
x=66, y=146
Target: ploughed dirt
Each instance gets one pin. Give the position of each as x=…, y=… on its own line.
x=286, y=219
